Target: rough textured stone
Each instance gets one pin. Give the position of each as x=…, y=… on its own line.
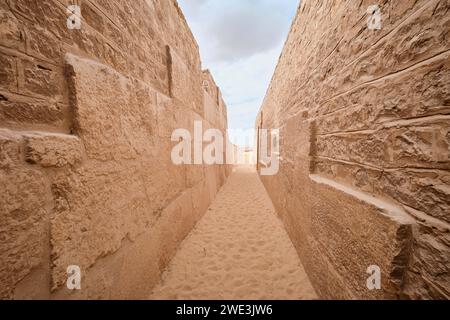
x=364, y=133
x=53, y=150
x=8, y=74
x=86, y=118
x=24, y=213
x=18, y=112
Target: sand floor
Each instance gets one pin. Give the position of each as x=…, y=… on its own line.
x=238, y=250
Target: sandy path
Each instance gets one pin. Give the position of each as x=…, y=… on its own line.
x=238, y=250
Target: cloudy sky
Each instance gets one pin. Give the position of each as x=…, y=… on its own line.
x=240, y=42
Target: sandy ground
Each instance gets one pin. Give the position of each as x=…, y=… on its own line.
x=238, y=250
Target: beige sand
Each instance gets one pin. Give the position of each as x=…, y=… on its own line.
x=239, y=250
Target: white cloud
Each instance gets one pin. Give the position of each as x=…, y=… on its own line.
x=240, y=42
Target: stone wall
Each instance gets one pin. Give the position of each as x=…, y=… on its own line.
x=364, y=118
x=86, y=118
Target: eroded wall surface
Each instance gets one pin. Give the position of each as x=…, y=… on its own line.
x=364, y=118
x=86, y=118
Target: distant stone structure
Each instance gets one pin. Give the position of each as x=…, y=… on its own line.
x=364, y=118
x=86, y=117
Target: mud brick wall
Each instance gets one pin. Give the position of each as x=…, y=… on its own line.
x=364, y=118
x=86, y=118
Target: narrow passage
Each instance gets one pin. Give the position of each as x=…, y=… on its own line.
x=238, y=250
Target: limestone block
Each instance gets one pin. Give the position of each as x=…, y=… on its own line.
x=18, y=110
x=194, y=175
x=107, y=197
x=25, y=201
x=362, y=231
x=185, y=84
x=98, y=206
x=200, y=198
x=430, y=261
x=211, y=110
x=181, y=220
x=422, y=92
x=172, y=115
x=120, y=275
x=42, y=79
x=11, y=33
x=424, y=145
x=53, y=150
x=378, y=106
x=426, y=191
x=398, y=50
x=110, y=123
x=93, y=18
x=8, y=73
x=211, y=180
x=41, y=42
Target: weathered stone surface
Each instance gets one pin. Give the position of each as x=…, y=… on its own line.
x=8, y=73
x=423, y=91
x=423, y=189
x=17, y=112
x=363, y=119
x=424, y=144
x=24, y=214
x=42, y=80
x=428, y=275
x=11, y=33
x=111, y=125
x=53, y=150
x=352, y=231
x=184, y=85
x=86, y=166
